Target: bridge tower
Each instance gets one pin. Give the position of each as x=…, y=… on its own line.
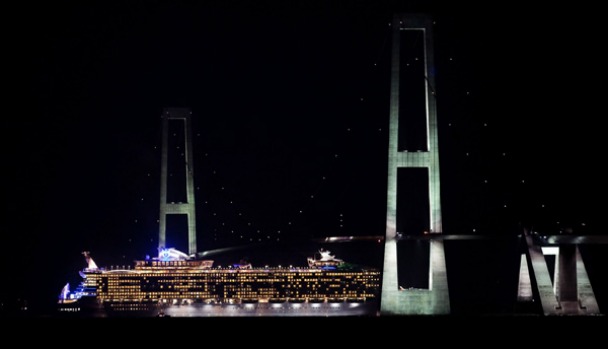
x=181, y=208
x=435, y=299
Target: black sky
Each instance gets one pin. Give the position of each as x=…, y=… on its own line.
x=278, y=90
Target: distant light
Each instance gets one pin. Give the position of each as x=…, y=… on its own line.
x=542, y=205
x=288, y=223
x=312, y=197
x=451, y=59
x=416, y=58
x=230, y=201
x=248, y=223
x=215, y=214
x=474, y=230
x=485, y=124
x=300, y=211
x=336, y=155
x=407, y=64
x=485, y=181
x=142, y=199
x=323, y=178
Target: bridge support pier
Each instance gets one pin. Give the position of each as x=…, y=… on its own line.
x=570, y=293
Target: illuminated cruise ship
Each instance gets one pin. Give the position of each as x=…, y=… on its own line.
x=176, y=285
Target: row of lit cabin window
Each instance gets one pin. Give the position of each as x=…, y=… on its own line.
x=230, y=286
x=153, y=295
x=136, y=279
x=246, y=272
x=126, y=281
x=259, y=290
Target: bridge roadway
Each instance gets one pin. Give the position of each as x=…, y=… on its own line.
x=542, y=240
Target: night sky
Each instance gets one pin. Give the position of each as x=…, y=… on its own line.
x=291, y=110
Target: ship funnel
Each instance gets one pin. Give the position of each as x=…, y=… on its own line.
x=90, y=261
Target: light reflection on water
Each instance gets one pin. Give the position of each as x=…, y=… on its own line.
x=274, y=309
